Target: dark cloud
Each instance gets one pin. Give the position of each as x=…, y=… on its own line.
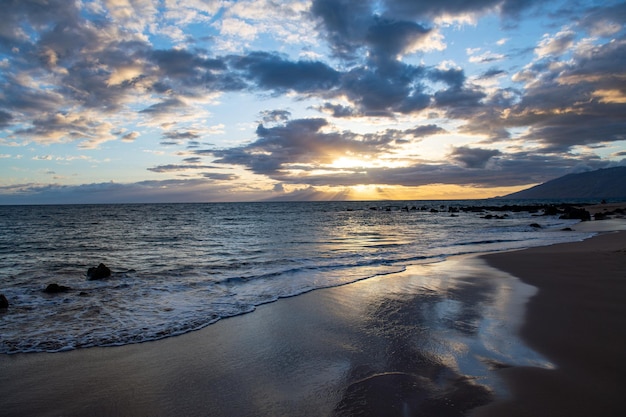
x=271, y=116
x=190, y=73
x=5, y=118
x=180, y=167
x=388, y=37
x=383, y=91
x=463, y=98
x=270, y=71
x=603, y=21
x=426, y=130
x=352, y=27
x=492, y=73
x=344, y=24
x=167, y=106
x=20, y=16
x=217, y=176
x=175, y=135
x=337, y=110
x=130, y=136
x=473, y=157
x=25, y=99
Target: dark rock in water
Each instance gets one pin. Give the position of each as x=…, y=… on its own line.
x=576, y=213
x=535, y=225
x=4, y=303
x=102, y=271
x=600, y=216
x=567, y=229
x=551, y=211
x=56, y=288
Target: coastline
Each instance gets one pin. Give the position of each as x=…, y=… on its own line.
x=438, y=339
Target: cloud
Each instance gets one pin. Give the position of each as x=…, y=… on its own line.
x=130, y=136
x=492, y=73
x=179, y=167
x=304, y=142
x=563, y=105
x=486, y=57
x=434, y=9
x=5, y=119
x=181, y=135
x=270, y=71
x=426, y=130
x=271, y=116
x=604, y=21
x=337, y=110
x=473, y=157
x=555, y=45
x=217, y=176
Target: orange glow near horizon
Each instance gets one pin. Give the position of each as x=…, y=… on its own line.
x=366, y=192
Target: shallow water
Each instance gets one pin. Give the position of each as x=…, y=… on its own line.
x=180, y=267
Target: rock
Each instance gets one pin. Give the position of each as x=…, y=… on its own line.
x=600, y=216
x=551, y=211
x=56, y=288
x=535, y=225
x=4, y=303
x=576, y=213
x=567, y=229
x=102, y=271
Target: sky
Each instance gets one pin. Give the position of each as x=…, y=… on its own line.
x=113, y=101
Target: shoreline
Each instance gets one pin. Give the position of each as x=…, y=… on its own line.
x=438, y=337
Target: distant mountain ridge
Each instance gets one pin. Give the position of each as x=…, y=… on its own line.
x=609, y=183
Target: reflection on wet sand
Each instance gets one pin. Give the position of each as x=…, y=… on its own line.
x=429, y=349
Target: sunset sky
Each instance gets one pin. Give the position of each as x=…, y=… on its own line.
x=192, y=100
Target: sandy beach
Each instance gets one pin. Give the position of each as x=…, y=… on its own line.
x=446, y=339
x=578, y=321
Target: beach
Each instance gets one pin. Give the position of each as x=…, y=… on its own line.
x=522, y=333
x=578, y=321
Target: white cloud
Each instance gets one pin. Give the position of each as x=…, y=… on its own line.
x=486, y=57
x=555, y=45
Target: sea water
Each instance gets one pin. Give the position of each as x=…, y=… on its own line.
x=180, y=267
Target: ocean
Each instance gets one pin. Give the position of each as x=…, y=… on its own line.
x=180, y=267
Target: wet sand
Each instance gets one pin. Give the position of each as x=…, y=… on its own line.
x=438, y=340
x=578, y=321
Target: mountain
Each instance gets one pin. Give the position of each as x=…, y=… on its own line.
x=600, y=184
